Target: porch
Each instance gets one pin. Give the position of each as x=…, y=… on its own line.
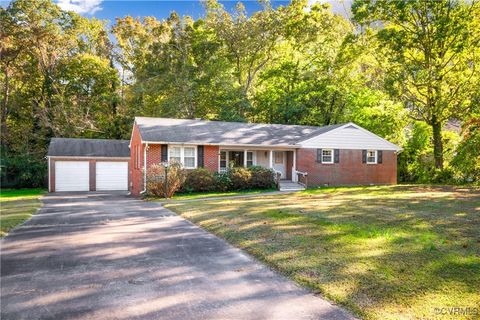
x=281, y=161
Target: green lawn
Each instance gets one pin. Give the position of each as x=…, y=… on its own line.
x=17, y=206
x=393, y=252
x=203, y=195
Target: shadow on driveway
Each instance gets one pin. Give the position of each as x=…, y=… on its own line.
x=109, y=256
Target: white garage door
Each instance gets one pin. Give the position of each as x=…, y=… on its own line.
x=72, y=176
x=112, y=176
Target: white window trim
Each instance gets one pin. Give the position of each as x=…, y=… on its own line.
x=376, y=157
x=254, y=158
x=332, y=155
x=182, y=154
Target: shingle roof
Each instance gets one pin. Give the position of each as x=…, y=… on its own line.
x=68, y=147
x=224, y=133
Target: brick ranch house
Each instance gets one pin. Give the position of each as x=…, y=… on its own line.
x=343, y=154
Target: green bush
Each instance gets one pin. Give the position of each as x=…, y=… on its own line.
x=23, y=171
x=199, y=180
x=444, y=176
x=222, y=181
x=262, y=178
x=241, y=178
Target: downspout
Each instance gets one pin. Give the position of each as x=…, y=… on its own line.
x=144, y=169
x=49, y=177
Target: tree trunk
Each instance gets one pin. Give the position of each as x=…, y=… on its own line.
x=5, y=106
x=437, y=144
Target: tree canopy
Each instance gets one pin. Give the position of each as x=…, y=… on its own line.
x=406, y=70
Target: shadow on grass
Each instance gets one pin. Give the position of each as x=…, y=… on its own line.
x=384, y=252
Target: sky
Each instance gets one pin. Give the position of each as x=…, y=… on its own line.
x=110, y=9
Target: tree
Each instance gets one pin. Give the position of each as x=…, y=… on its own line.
x=56, y=80
x=432, y=50
x=249, y=43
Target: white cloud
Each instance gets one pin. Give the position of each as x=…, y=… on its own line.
x=81, y=6
x=311, y=2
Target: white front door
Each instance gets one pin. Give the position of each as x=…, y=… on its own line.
x=112, y=175
x=280, y=162
x=72, y=176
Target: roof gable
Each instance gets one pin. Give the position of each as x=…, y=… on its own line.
x=349, y=136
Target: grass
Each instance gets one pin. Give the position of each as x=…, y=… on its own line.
x=204, y=195
x=16, y=206
x=390, y=252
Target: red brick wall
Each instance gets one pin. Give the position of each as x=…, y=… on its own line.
x=136, y=173
x=211, y=158
x=154, y=154
x=349, y=171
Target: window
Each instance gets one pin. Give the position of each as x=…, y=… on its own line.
x=371, y=156
x=279, y=157
x=175, y=154
x=327, y=156
x=249, y=159
x=136, y=157
x=223, y=161
x=187, y=156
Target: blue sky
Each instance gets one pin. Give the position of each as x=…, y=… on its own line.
x=109, y=10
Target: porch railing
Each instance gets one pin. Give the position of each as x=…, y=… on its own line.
x=276, y=177
x=302, y=178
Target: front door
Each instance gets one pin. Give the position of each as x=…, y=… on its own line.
x=279, y=162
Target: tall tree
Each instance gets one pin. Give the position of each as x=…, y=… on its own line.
x=432, y=48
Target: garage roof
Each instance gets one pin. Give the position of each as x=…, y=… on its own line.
x=68, y=147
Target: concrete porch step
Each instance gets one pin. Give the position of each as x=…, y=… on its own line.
x=290, y=186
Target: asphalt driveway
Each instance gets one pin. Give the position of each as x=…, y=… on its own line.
x=109, y=256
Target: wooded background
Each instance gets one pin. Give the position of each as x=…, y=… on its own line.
x=405, y=70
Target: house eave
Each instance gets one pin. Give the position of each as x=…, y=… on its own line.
x=225, y=144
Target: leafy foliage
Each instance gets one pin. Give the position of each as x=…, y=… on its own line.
x=407, y=64
x=199, y=179
x=165, y=180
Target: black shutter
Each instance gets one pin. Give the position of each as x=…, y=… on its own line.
x=319, y=155
x=379, y=156
x=200, y=157
x=364, y=156
x=336, y=156
x=164, y=157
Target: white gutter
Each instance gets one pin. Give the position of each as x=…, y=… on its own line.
x=144, y=169
x=225, y=144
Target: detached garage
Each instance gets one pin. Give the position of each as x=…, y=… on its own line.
x=88, y=165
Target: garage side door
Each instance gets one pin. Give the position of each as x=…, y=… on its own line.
x=72, y=176
x=112, y=176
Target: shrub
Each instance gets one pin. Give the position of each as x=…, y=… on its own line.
x=444, y=176
x=164, y=181
x=241, y=178
x=222, y=181
x=262, y=178
x=198, y=180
